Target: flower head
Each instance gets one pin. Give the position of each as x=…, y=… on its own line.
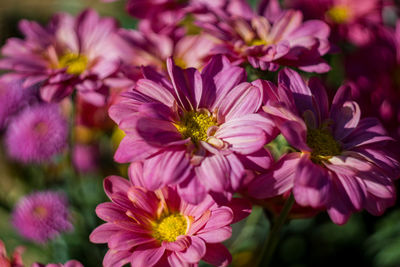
x=37, y=134
x=342, y=165
x=268, y=44
x=152, y=228
x=69, y=53
x=41, y=216
x=197, y=130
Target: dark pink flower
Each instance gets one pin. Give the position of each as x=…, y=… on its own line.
x=41, y=216
x=158, y=228
x=342, y=164
x=71, y=263
x=69, y=53
x=350, y=19
x=197, y=130
x=85, y=157
x=15, y=261
x=37, y=134
x=268, y=44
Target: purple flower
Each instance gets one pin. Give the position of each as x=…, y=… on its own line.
x=268, y=44
x=13, y=97
x=37, y=134
x=41, y=216
x=342, y=165
x=69, y=53
x=197, y=130
x=147, y=228
x=85, y=157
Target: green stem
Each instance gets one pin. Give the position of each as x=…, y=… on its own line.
x=273, y=236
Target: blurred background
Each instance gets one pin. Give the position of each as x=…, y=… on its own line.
x=364, y=241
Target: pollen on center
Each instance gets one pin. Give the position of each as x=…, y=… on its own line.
x=194, y=125
x=75, y=63
x=323, y=145
x=169, y=227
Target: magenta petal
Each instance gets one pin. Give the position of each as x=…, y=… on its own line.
x=219, y=217
x=128, y=150
x=295, y=133
x=278, y=180
x=169, y=167
x=354, y=189
x=339, y=208
x=192, y=190
x=217, y=235
x=217, y=255
x=110, y=212
x=241, y=100
x=147, y=255
x=241, y=209
x=311, y=184
x=174, y=260
x=113, y=184
x=182, y=243
x=155, y=91
x=346, y=119
x=259, y=161
x=214, y=173
x=103, y=233
x=143, y=199
x=247, y=134
x=126, y=241
x=115, y=258
x=195, y=251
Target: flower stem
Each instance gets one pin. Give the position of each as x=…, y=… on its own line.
x=273, y=236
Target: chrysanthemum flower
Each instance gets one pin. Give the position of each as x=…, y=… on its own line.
x=71, y=263
x=350, y=19
x=266, y=44
x=199, y=130
x=37, y=134
x=41, y=216
x=147, y=228
x=342, y=164
x=15, y=261
x=13, y=97
x=69, y=53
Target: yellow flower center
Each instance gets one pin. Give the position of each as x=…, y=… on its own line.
x=168, y=228
x=195, y=125
x=257, y=42
x=338, y=14
x=323, y=145
x=75, y=63
x=40, y=212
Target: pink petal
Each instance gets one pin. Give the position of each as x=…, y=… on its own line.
x=127, y=240
x=128, y=150
x=278, y=180
x=194, y=252
x=103, y=233
x=216, y=236
x=217, y=255
x=147, y=255
x=115, y=258
x=219, y=217
x=192, y=191
x=311, y=184
x=113, y=184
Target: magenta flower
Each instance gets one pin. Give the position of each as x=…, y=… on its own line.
x=147, y=228
x=69, y=53
x=85, y=157
x=13, y=97
x=41, y=216
x=267, y=44
x=350, y=19
x=199, y=130
x=71, y=263
x=342, y=164
x=37, y=134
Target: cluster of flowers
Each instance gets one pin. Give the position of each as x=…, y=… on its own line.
x=197, y=124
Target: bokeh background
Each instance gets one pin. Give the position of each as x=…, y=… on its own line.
x=364, y=241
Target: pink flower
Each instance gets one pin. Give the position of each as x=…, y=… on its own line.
x=158, y=228
x=41, y=216
x=69, y=53
x=197, y=130
x=15, y=261
x=37, y=134
x=342, y=164
x=375, y=70
x=150, y=49
x=350, y=19
x=268, y=44
x=85, y=157
x=71, y=263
